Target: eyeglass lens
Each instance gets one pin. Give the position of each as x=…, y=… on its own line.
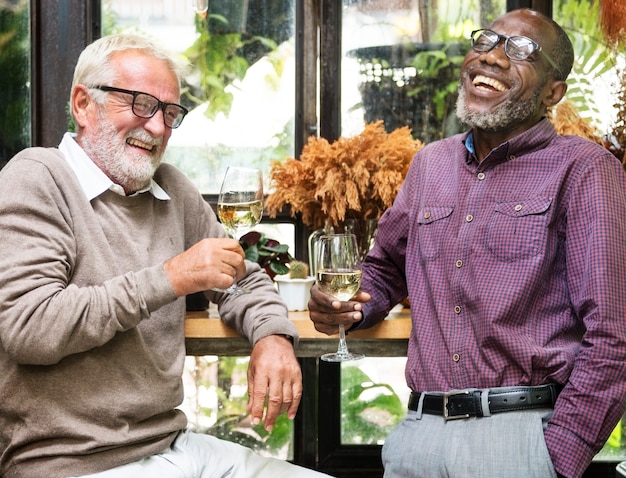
x=515, y=47
x=146, y=106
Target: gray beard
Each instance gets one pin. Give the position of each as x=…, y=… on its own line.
x=501, y=118
x=131, y=171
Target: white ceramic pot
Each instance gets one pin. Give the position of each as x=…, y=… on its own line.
x=295, y=292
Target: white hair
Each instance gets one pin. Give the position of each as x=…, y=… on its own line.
x=94, y=66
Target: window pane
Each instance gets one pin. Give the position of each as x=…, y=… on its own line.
x=216, y=395
x=401, y=62
x=374, y=396
x=15, y=78
x=241, y=90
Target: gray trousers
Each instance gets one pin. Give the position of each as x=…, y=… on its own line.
x=504, y=445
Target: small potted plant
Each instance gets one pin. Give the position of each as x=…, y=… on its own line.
x=295, y=287
x=270, y=254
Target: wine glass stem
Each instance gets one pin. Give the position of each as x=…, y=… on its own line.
x=342, y=349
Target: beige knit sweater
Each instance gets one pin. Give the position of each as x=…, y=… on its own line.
x=91, y=332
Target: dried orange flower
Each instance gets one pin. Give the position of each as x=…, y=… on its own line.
x=354, y=177
x=567, y=121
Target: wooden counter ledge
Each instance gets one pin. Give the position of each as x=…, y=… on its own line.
x=208, y=335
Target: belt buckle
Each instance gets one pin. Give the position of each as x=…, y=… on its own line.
x=446, y=412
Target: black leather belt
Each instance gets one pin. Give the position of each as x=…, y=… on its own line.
x=474, y=402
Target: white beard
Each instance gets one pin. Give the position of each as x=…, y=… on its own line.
x=501, y=118
x=129, y=168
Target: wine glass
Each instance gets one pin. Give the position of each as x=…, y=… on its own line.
x=338, y=273
x=240, y=206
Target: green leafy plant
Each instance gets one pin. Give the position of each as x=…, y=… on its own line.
x=593, y=57
x=220, y=61
x=437, y=67
x=369, y=410
x=232, y=421
x=270, y=254
x=14, y=81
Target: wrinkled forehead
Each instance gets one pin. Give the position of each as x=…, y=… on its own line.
x=525, y=24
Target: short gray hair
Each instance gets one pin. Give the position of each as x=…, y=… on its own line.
x=94, y=68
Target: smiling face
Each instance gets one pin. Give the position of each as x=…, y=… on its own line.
x=127, y=148
x=498, y=94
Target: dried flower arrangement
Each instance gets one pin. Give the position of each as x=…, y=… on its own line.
x=567, y=121
x=352, y=178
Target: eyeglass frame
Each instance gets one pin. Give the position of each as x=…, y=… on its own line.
x=160, y=105
x=535, y=45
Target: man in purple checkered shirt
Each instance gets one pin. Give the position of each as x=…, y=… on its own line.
x=509, y=241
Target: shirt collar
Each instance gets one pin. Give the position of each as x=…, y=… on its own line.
x=530, y=140
x=91, y=178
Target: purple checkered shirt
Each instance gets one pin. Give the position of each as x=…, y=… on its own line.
x=516, y=273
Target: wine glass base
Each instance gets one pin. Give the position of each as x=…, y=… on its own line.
x=341, y=357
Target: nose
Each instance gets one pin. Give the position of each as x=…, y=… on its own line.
x=496, y=56
x=156, y=125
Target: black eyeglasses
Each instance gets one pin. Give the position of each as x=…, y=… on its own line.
x=146, y=106
x=515, y=47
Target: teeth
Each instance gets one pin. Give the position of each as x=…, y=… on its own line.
x=483, y=80
x=139, y=144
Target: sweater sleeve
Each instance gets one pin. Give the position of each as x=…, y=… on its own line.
x=258, y=314
x=255, y=315
x=45, y=314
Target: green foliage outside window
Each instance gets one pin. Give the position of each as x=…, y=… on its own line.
x=14, y=79
x=369, y=410
x=593, y=57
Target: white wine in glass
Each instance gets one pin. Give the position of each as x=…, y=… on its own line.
x=338, y=273
x=240, y=206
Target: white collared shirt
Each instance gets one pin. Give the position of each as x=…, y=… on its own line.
x=91, y=178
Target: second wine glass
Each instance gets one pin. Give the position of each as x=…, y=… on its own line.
x=338, y=273
x=240, y=206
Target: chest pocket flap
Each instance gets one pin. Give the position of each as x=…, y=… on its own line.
x=526, y=207
x=518, y=228
x=429, y=215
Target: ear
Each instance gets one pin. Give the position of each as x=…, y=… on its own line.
x=81, y=104
x=555, y=91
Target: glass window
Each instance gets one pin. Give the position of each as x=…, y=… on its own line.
x=241, y=95
x=241, y=88
x=216, y=396
x=374, y=396
x=15, y=50
x=594, y=81
x=401, y=62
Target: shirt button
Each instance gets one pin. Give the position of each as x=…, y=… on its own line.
x=518, y=207
x=426, y=215
x=469, y=218
x=457, y=309
x=481, y=176
x=512, y=157
x=459, y=263
x=456, y=357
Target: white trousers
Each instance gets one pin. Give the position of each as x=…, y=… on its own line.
x=195, y=455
